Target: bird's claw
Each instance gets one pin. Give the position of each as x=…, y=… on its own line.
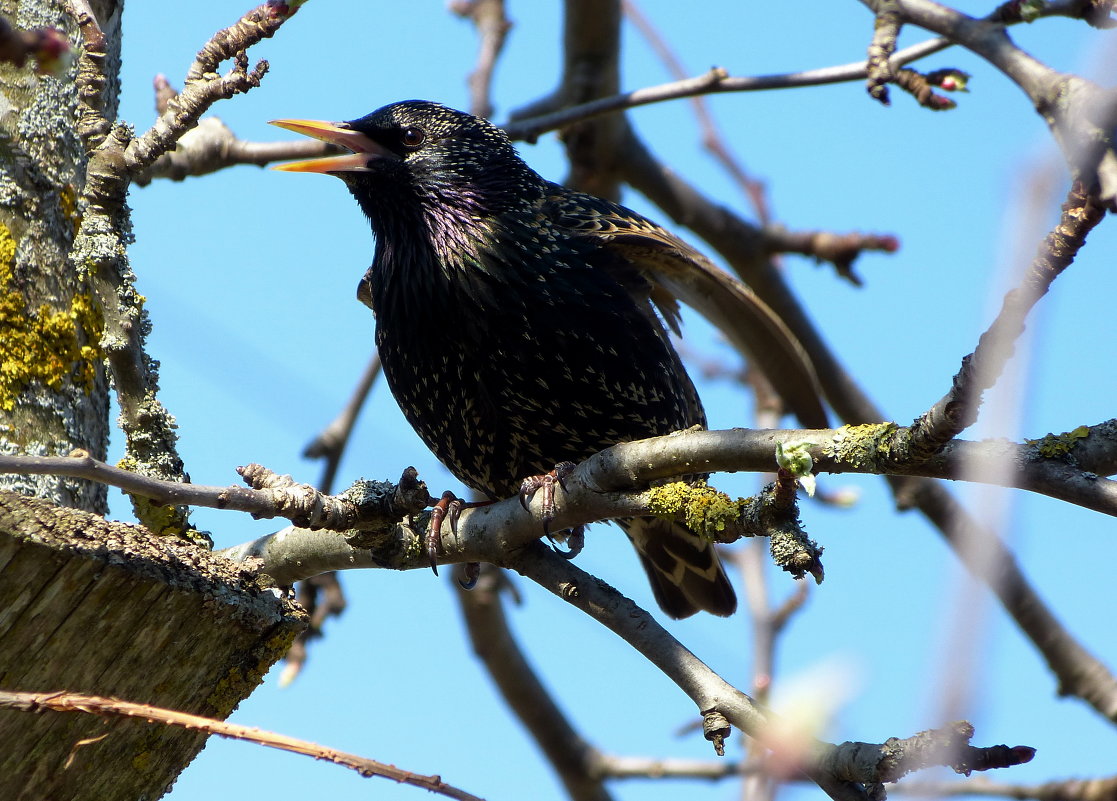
x=448, y=504
x=471, y=572
x=575, y=540
x=546, y=482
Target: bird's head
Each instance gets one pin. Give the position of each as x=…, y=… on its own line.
x=417, y=155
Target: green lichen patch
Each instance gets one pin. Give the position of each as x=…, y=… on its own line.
x=703, y=509
x=44, y=345
x=863, y=445
x=1056, y=445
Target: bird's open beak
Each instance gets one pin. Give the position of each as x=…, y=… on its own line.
x=337, y=133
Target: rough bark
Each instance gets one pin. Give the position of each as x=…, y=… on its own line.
x=53, y=387
x=106, y=609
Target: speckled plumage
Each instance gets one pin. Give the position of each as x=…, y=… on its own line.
x=514, y=323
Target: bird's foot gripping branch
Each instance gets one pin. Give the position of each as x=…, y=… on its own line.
x=387, y=525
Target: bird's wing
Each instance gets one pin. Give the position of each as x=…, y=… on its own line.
x=673, y=270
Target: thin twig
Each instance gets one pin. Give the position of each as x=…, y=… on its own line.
x=203, y=87
x=841, y=771
x=1080, y=114
x=574, y=760
x=329, y=445
x=492, y=24
x=322, y=595
x=712, y=138
x=957, y=410
x=115, y=708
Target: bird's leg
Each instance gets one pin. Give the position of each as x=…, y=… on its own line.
x=576, y=538
x=450, y=504
x=546, y=482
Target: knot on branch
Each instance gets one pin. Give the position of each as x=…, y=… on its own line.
x=368, y=508
x=381, y=504
x=715, y=728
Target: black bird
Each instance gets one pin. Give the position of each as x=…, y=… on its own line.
x=516, y=319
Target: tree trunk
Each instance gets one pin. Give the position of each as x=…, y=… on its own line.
x=105, y=608
x=86, y=605
x=53, y=387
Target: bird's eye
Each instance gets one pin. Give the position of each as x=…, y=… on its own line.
x=413, y=136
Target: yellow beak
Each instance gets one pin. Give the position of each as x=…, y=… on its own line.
x=336, y=133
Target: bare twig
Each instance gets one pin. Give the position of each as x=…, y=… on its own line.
x=322, y=595
x=957, y=410
x=330, y=442
x=841, y=250
x=492, y=24
x=712, y=139
x=113, y=707
x=1080, y=114
x=842, y=771
x=533, y=122
x=574, y=760
x=203, y=86
x=886, y=28
x=1078, y=672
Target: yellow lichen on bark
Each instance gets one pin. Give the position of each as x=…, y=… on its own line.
x=43, y=345
x=704, y=510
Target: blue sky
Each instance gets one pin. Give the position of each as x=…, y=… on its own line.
x=250, y=277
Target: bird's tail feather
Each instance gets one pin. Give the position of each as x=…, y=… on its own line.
x=684, y=570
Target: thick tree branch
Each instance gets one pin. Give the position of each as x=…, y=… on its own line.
x=1047, y=466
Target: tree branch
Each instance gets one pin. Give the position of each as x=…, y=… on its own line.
x=602, y=486
x=114, y=708
x=572, y=757
x=1080, y=114
x=842, y=771
x=492, y=24
x=204, y=87
x=957, y=410
x=530, y=123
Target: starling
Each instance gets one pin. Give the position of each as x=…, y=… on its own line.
x=516, y=319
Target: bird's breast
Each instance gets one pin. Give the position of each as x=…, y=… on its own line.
x=508, y=357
